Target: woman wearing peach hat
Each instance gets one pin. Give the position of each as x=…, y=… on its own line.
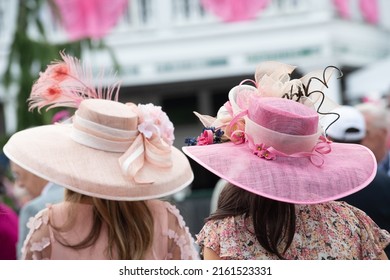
x=115, y=160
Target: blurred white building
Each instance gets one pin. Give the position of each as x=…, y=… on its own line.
x=177, y=54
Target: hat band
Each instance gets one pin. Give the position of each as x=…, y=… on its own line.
x=154, y=151
x=286, y=143
x=316, y=155
x=101, y=137
x=136, y=149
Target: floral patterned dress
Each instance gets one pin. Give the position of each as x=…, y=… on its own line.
x=171, y=239
x=333, y=230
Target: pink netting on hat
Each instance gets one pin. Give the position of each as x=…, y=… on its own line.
x=282, y=142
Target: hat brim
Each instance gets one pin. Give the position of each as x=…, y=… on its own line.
x=346, y=169
x=50, y=153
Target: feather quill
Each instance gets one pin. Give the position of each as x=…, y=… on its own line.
x=67, y=82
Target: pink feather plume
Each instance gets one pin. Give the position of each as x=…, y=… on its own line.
x=66, y=83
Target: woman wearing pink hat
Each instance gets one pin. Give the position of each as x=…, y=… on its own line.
x=283, y=175
x=115, y=160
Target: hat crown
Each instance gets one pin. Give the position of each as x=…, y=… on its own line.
x=283, y=115
x=109, y=113
x=283, y=124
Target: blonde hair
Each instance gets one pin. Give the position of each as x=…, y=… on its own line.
x=129, y=224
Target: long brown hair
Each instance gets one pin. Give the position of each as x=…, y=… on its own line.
x=129, y=224
x=273, y=221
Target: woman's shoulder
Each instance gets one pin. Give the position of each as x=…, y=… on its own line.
x=172, y=226
x=229, y=226
x=333, y=209
x=166, y=214
x=162, y=205
x=164, y=210
x=344, y=218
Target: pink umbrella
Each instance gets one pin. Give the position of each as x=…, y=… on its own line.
x=369, y=9
x=233, y=10
x=342, y=7
x=90, y=18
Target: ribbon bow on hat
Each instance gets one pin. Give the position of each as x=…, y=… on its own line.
x=145, y=146
x=152, y=145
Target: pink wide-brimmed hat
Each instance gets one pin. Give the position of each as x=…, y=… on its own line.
x=275, y=147
x=108, y=149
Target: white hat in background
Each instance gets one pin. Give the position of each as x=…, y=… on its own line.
x=350, y=127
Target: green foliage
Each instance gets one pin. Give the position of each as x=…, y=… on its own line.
x=28, y=56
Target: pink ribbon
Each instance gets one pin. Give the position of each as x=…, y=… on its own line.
x=142, y=150
x=139, y=152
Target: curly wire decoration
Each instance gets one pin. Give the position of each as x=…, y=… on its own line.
x=304, y=92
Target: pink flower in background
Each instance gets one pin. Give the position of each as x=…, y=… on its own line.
x=153, y=121
x=90, y=18
x=233, y=10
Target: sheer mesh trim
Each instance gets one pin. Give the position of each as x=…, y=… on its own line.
x=178, y=232
x=37, y=243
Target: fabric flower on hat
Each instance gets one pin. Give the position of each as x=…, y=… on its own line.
x=226, y=119
x=205, y=138
x=262, y=151
x=209, y=135
x=236, y=131
x=153, y=121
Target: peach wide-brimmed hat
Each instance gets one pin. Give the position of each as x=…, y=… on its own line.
x=276, y=148
x=108, y=149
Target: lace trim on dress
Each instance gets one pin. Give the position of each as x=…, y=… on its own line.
x=34, y=224
x=38, y=247
x=184, y=241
